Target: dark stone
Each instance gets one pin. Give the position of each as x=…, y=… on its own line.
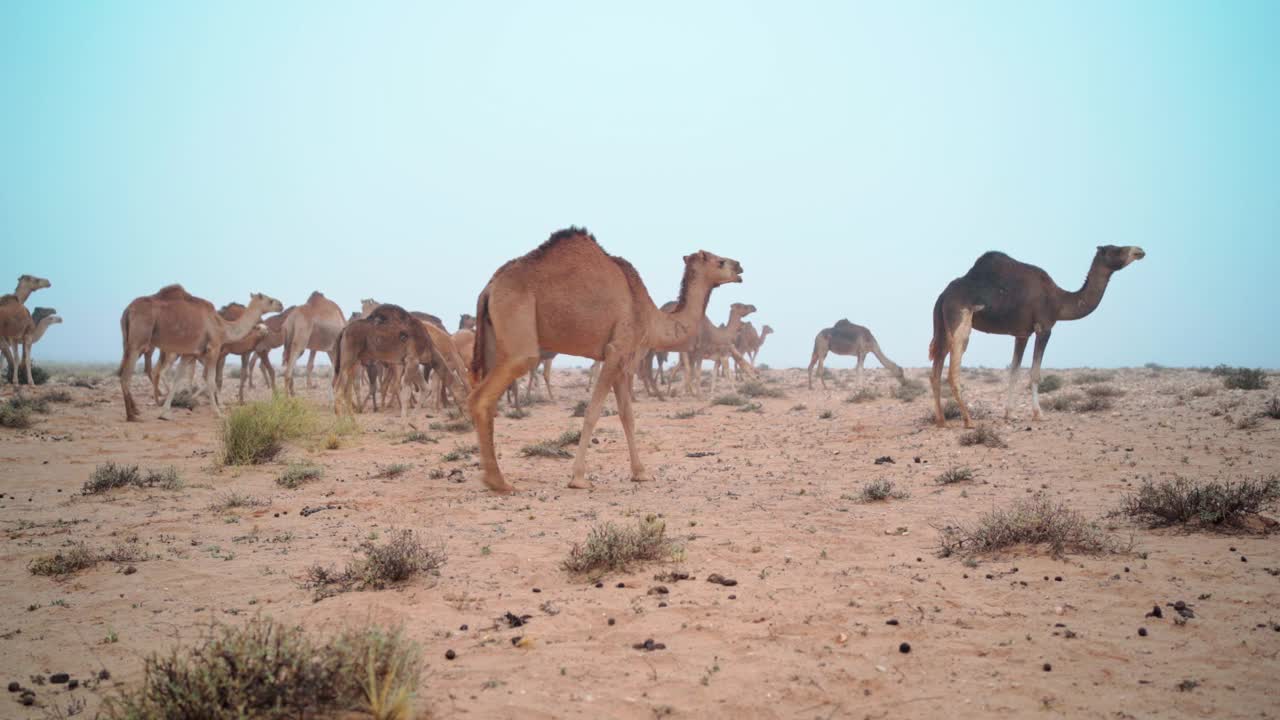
x=59, y=678
x=904, y=648
x=463, y=627
x=1142, y=632
x=891, y=621
x=15, y=686
x=449, y=654
x=1047, y=667
x=612, y=621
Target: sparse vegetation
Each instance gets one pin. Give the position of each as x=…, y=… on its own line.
x=393, y=470
x=1182, y=501
x=1050, y=383
x=298, y=474
x=984, y=435
x=58, y=396
x=609, y=547
x=73, y=559
x=1064, y=403
x=110, y=476
x=1093, y=403
x=880, y=490
x=232, y=500
x=955, y=475
x=1272, y=409
x=185, y=399
x=553, y=448
x=266, y=669
x=401, y=557
x=687, y=414
x=1249, y=422
x=1036, y=521
x=460, y=452
x=908, y=391
x=417, y=436
x=1241, y=378
x=757, y=389
x=255, y=433
x=863, y=394
x=39, y=376
x=1103, y=391
x=457, y=425
x=752, y=407
x=516, y=413
x=826, y=415
x=732, y=399
x=1088, y=378
x=1203, y=391
x=16, y=411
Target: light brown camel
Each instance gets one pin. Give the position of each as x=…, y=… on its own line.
x=260, y=339
x=388, y=334
x=570, y=296
x=176, y=322
x=1002, y=296
x=467, y=322
x=43, y=318
x=749, y=341
x=16, y=324
x=313, y=326
x=711, y=343
x=261, y=357
x=846, y=338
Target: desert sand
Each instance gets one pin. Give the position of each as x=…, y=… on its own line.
x=771, y=502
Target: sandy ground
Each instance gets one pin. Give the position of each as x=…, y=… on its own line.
x=804, y=633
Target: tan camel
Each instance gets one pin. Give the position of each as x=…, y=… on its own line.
x=570, y=296
x=389, y=335
x=845, y=338
x=261, y=357
x=180, y=324
x=712, y=342
x=314, y=327
x=749, y=341
x=16, y=324
x=1002, y=296
x=258, y=340
x=43, y=318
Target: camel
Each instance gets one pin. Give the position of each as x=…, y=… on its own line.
x=749, y=341
x=466, y=322
x=388, y=334
x=711, y=342
x=43, y=318
x=1002, y=296
x=313, y=326
x=846, y=338
x=258, y=341
x=569, y=296
x=178, y=323
x=16, y=324
x=261, y=357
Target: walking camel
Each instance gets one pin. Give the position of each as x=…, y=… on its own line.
x=180, y=324
x=1002, y=296
x=388, y=334
x=569, y=296
x=313, y=326
x=43, y=318
x=16, y=324
x=846, y=338
x=708, y=344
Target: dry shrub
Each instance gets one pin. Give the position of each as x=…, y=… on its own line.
x=1093, y=404
x=232, y=500
x=757, y=389
x=553, y=448
x=401, y=557
x=1203, y=391
x=110, y=476
x=1050, y=383
x=185, y=399
x=299, y=474
x=1035, y=521
x=732, y=399
x=393, y=470
x=1272, y=409
x=908, y=390
x=58, y=396
x=863, y=394
x=1239, y=378
x=1092, y=377
x=955, y=475
x=1207, y=503
x=880, y=490
x=516, y=413
x=1103, y=391
x=983, y=435
x=609, y=547
x=265, y=669
x=73, y=559
x=460, y=452
x=1064, y=403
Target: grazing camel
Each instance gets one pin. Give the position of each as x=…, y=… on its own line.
x=569, y=296
x=313, y=326
x=178, y=323
x=43, y=318
x=16, y=324
x=388, y=334
x=1002, y=296
x=846, y=338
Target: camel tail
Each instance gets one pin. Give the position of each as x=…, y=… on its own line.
x=124, y=334
x=482, y=348
x=938, y=345
x=337, y=354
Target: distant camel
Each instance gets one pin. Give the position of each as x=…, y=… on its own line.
x=569, y=296
x=43, y=318
x=467, y=322
x=16, y=324
x=1002, y=296
x=261, y=357
x=176, y=322
x=313, y=326
x=710, y=343
x=259, y=340
x=388, y=334
x=845, y=338
x=749, y=342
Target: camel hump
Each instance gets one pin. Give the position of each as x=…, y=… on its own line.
x=316, y=296
x=8, y=299
x=172, y=292
x=560, y=236
x=847, y=329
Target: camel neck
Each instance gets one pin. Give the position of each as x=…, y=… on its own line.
x=40, y=328
x=669, y=330
x=240, y=328
x=1080, y=303
x=22, y=293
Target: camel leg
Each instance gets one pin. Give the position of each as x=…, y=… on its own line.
x=222, y=363
x=1019, y=347
x=126, y=375
x=533, y=381
x=248, y=367
x=311, y=364
x=608, y=376
x=857, y=374
x=12, y=364
x=210, y=385
x=1042, y=341
x=184, y=370
x=935, y=381
x=484, y=404
x=269, y=373
x=959, y=342
x=622, y=388
x=246, y=361
x=749, y=368
x=546, y=379
x=26, y=361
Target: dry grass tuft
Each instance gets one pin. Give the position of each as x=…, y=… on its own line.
x=611, y=548
x=1050, y=383
x=395, y=561
x=298, y=474
x=232, y=500
x=863, y=394
x=393, y=470
x=1035, y=521
x=984, y=435
x=757, y=389
x=1239, y=378
x=1088, y=378
x=955, y=475
x=880, y=490
x=64, y=562
x=1272, y=409
x=1093, y=404
x=255, y=433
x=1210, y=503
x=110, y=476
x=732, y=399
x=908, y=391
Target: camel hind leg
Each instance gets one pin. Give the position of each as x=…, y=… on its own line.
x=1019, y=347
x=484, y=404
x=1037, y=355
x=622, y=388
x=959, y=343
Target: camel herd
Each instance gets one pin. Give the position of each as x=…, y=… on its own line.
x=567, y=296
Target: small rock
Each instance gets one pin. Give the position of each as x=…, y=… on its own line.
x=621, y=585
x=658, y=590
x=1156, y=612
x=904, y=648
x=14, y=686
x=27, y=699
x=104, y=674
x=891, y=621
x=463, y=627
x=73, y=684
x=719, y=579
x=1057, y=578
x=537, y=590
x=59, y=678
x=599, y=584
x=129, y=570
x=1142, y=632
x=449, y=654
x=612, y=621
x=884, y=460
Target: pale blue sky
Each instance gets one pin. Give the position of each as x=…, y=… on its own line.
x=855, y=157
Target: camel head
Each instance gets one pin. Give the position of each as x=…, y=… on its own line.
x=1118, y=257
x=264, y=303
x=31, y=283
x=467, y=322
x=718, y=269
x=41, y=313
x=368, y=305
x=355, y=316
x=741, y=310
x=765, y=331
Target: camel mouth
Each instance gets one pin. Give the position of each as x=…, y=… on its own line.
x=1139, y=253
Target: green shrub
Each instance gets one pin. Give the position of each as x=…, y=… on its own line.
x=732, y=399
x=110, y=476
x=611, y=548
x=955, y=475
x=1244, y=379
x=255, y=433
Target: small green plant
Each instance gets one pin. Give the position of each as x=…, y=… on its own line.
x=1035, y=521
x=460, y=452
x=1050, y=383
x=757, y=389
x=609, y=547
x=255, y=433
x=955, y=475
x=298, y=474
x=984, y=435
x=1208, y=503
x=393, y=470
x=880, y=490
x=417, y=436
x=863, y=394
x=731, y=399
x=1243, y=379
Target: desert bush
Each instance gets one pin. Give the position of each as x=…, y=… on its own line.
x=1035, y=521
x=908, y=391
x=379, y=566
x=863, y=394
x=1155, y=367
x=232, y=500
x=609, y=547
x=1093, y=403
x=298, y=474
x=1182, y=501
x=110, y=476
x=1243, y=378
x=732, y=399
x=516, y=413
x=983, y=435
x=265, y=669
x=757, y=389
x=58, y=396
x=39, y=376
x=15, y=415
x=1088, y=378
x=1249, y=422
x=459, y=425
x=73, y=559
x=580, y=409
x=1050, y=383
x=417, y=436
x=686, y=414
x=1064, y=403
x=255, y=433
x=1103, y=391
x=1203, y=391
x=185, y=399
x=752, y=407
x=880, y=490
x=1272, y=409
x=955, y=475
x=460, y=452
x=826, y=415
x=393, y=470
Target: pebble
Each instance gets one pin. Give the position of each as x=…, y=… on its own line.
x=1057, y=578
x=103, y=674
x=612, y=621
x=599, y=584
x=1156, y=612
x=1244, y=559
x=1142, y=632
x=14, y=686
x=891, y=621
x=904, y=648
x=73, y=684
x=719, y=579
x=449, y=654
x=621, y=585
x=733, y=597
x=463, y=627
x=27, y=699
x=537, y=590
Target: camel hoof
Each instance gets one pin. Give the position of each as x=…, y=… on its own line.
x=968, y=424
x=163, y=417
x=941, y=424
x=581, y=484
x=499, y=485
x=642, y=476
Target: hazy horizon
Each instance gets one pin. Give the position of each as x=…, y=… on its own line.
x=854, y=159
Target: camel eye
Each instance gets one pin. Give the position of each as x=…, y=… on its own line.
x=721, y=263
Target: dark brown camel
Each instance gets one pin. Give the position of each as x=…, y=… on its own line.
x=1002, y=296
x=387, y=335
x=845, y=338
